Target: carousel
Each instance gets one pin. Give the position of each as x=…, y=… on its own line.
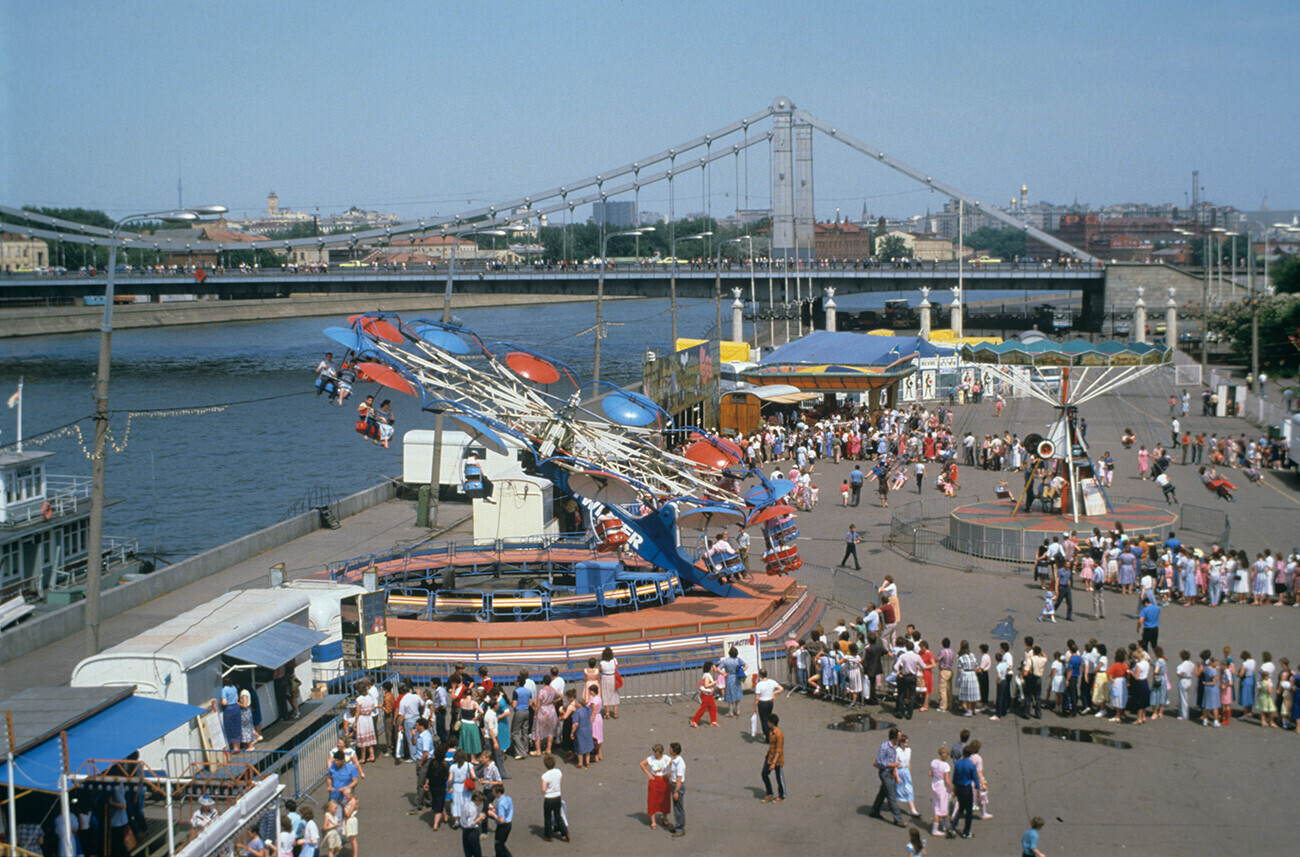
x=1063, y=489
x=649, y=569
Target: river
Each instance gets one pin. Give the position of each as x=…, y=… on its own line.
x=188, y=482
x=184, y=482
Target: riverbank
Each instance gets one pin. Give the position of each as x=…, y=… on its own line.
x=55, y=321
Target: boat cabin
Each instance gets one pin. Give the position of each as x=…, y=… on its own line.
x=44, y=523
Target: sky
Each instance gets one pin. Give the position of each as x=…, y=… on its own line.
x=434, y=108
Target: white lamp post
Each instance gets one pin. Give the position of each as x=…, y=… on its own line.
x=600, y=295
x=435, y=477
x=672, y=280
x=95, y=536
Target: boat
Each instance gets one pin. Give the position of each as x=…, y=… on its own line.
x=44, y=534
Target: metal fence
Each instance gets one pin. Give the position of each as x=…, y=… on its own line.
x=299, y=768
x=838, y=585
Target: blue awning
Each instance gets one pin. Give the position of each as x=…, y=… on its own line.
x=114, y=733
x=277, y=646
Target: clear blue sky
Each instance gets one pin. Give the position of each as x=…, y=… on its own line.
x=420, y=108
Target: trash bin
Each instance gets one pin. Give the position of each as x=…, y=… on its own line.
x=1274, y=432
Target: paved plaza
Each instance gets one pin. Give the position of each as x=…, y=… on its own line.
x=1179, y=789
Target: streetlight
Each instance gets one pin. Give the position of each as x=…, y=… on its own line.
x=672, y=281
x=95, y=536
x=1205, y=300
x=600, y=295
x=718, y=287
x=753, y=299
x=435, y=476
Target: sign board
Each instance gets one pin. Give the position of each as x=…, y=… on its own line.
x=748, y=651
x=210, y=731
x=373, y=622
x=1093, y=501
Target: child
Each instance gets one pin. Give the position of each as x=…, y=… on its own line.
x=1049, y=611
x=1088, y=564
x=844, y=493
x=812, y=496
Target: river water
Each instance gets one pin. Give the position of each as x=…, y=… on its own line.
x=189, y=482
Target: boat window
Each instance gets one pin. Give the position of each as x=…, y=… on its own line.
x=10, y=568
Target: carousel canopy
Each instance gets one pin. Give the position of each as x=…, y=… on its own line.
x=824, y=347
x=1044, y=353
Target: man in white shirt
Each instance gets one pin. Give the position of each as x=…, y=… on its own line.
x=677, y=783
x=909, y=666
x=765, y=692
x=408, y=709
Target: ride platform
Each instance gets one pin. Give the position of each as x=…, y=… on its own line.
x=692, y=626
x=994, y=530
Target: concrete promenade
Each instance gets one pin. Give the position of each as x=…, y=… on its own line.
x=43, y=321
x=1179, y=789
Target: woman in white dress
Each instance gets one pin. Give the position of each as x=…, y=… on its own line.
x=609, y=682
x=365, y=728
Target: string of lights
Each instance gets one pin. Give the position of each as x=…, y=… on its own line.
x=73, y=429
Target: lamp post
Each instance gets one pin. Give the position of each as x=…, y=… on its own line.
x=600, y=295
x=98, y=472
x=753, y=299
x=718, y=280
x=439, y=427
x=672, y=280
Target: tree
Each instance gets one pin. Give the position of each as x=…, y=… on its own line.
x=1001, y=243
x=1279, y=319
x=893, y=247
x=1285, y=275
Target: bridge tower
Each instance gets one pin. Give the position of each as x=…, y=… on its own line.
x=792, y=183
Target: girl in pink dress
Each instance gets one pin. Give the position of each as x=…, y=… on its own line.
x=940, y=792
x=1086, y=573
x=1144, y=461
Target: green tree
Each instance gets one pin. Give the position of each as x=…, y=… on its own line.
x=1001, y=243
x=1279, y=319
x=1285, y=275
x=893, y=247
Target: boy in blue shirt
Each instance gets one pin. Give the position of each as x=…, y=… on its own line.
x=502, y=812
x=1029, y=842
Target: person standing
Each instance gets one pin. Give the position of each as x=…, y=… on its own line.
x=471, y=815
x=887, y=770
x=552, y=801
x=855, y=483
x=965, y=779
x=909, y=666
x=851, y=541
x=502, y=812
x=677, y=785
x=658, y=793
x=408, y=709
x=765, y=692
x=1148, y=624
x=774, y=761
x=945, y=660
x=421, y=753
x=920, y=474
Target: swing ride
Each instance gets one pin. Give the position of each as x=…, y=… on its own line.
x=1072, y=495
x=643, y=559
